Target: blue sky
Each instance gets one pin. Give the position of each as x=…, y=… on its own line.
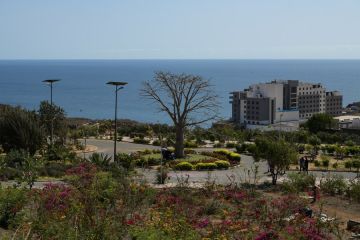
x=179, y=29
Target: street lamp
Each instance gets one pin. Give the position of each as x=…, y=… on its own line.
x=118, y=86
x=50, y=83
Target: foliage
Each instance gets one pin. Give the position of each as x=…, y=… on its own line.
x=190, y=144
x=220, y=164
x=298, y=182
x=59, y=152
x=156, y=143
x=231, y=156
x=353, y=191
x=54, y=169
x=206, y=166
x=15, y=158
x=333, y=184
x=109, y=205
x=53, y=117
x=320, y=122
x=100, y=160
x=325, y=160
x=356, y=164
x=316, y=163
x=215, y=155
x=278, y=154
x=230, y=145
x=20, y=129
x=7, y=173
x=12, y=201
x=141, y=140
x=183, y=166
x=125, y=160
x=348, y=164
x=29, y=171
x=162, y=175
x=189, y=151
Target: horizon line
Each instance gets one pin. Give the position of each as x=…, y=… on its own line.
x=171, y=59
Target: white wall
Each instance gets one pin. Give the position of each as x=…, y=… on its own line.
x=287, y=116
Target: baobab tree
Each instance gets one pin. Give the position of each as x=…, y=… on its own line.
x=188, y=100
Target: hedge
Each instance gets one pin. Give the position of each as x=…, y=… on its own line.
x=183, y=166
x=205, y=166
x=222, y=164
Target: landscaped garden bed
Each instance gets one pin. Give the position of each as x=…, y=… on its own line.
x=218, y=159
x=108, y=205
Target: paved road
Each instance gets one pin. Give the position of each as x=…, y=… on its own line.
x=241, y=173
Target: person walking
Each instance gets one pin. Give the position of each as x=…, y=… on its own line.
x=306, y=165
x=301, y=163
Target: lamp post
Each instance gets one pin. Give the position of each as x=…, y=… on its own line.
x=118, y=86
x=280, y=127
x=50, y=83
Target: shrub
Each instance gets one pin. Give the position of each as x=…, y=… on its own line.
x=214, y=155
x=231, y=156
x=151, y=161
x=190, y=144
x=141, y=140
x=156, y=143
x=246, y=148
x=325, y=162
x=220, y=164
x=230, y=145
x=348, y=164
x=15, y=158
x=7, y=173
x=100, y=159
x=356, y=164
x=205, y=166
x=125, y=160
x=12, y=201
x=54, y=169
x=224, y=152
x=298, y=182
x=333, y=185
x=183, y=166
x=317, y=163
x=218, y=145
x=335, y=165
x=354, y=190
x=161, y=175
x=234, y=157
x=141, y=162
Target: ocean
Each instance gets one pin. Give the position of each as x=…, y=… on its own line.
x=83, y=92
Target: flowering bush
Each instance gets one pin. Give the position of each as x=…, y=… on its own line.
x=110, y=205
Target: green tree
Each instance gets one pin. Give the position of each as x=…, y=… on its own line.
x=278, y=154
x=20, y=129
x=53, y=117
x=315, y=142
x=188, y=100
x=320, y=122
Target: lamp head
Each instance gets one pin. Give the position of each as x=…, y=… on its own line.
x=51, y=80
x=117, y=83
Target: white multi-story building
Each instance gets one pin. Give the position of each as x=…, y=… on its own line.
x=282, y=101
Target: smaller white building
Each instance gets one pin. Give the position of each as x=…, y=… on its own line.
x=349, y=121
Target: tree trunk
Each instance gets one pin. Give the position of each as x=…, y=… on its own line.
x=179, y=143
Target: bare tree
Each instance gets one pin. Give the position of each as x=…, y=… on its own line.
x=189, y=100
